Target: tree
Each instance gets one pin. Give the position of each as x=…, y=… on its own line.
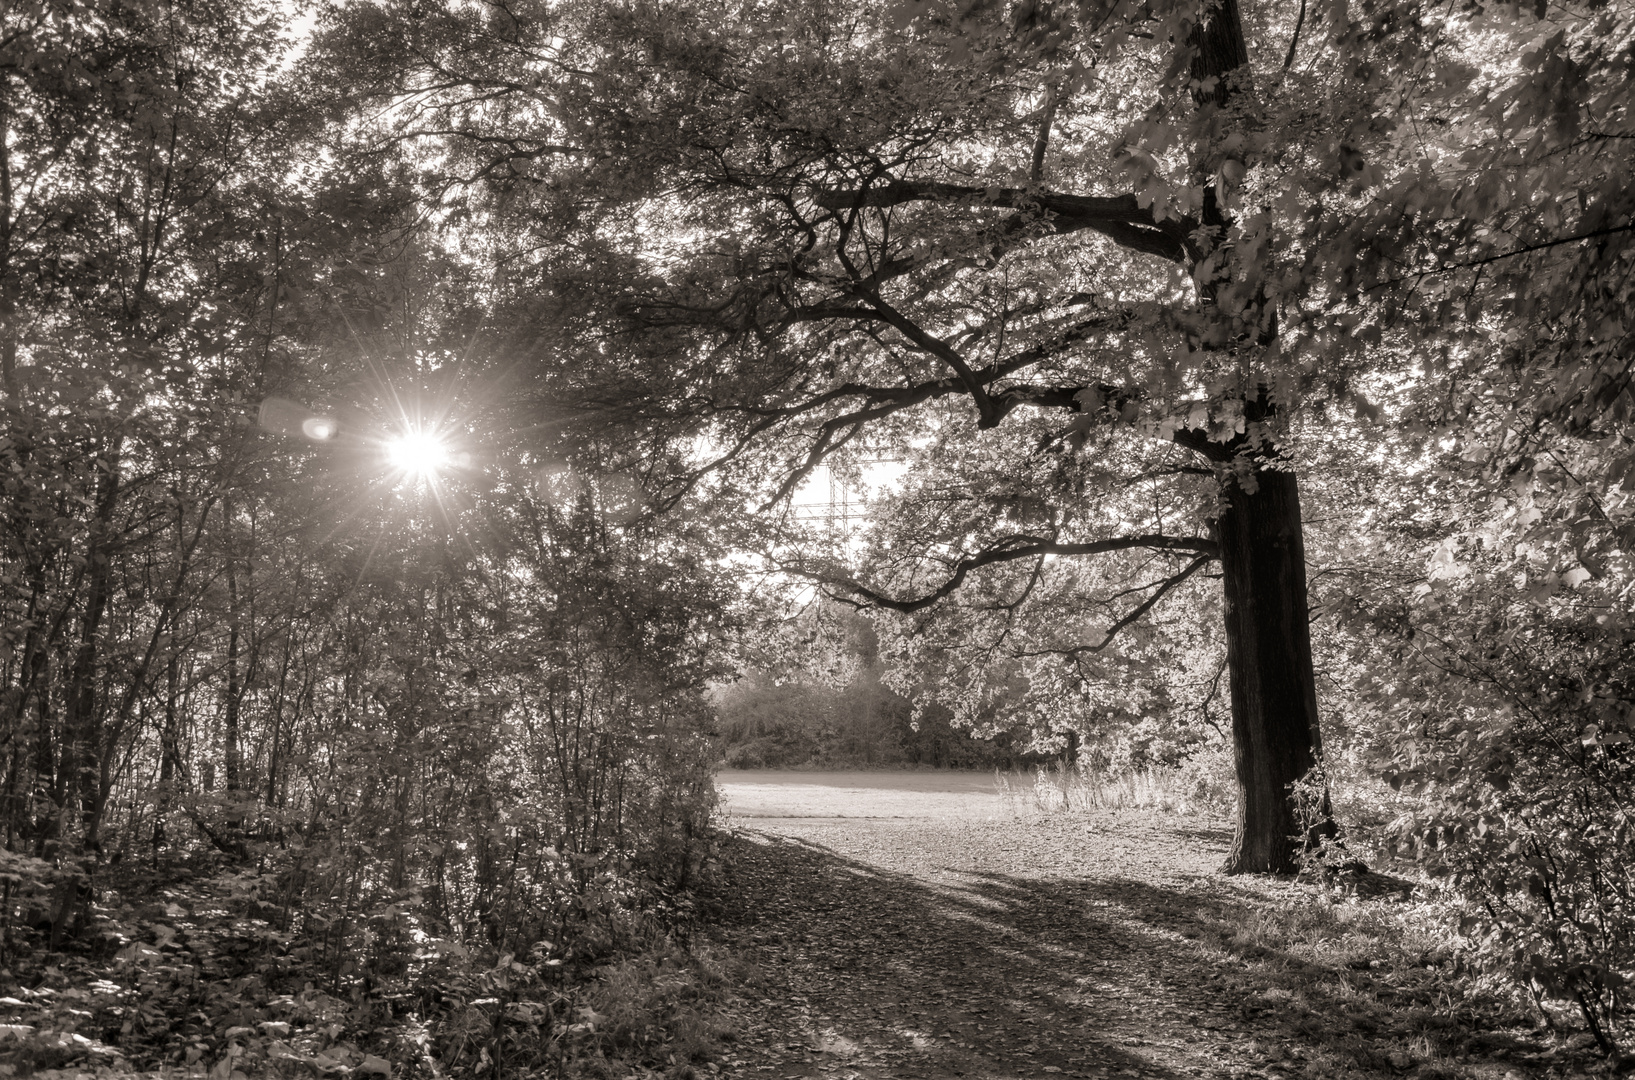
x=134, y=271
x=791, y=237
x=1074, y=651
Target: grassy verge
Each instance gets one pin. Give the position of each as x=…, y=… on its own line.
x=1378, y=984
x=1201, y=787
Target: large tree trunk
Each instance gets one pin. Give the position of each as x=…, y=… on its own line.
x=1275, y=735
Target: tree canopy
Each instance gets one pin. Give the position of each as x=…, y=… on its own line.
x=831, y=228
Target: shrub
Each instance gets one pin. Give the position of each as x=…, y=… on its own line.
x=1512, y=719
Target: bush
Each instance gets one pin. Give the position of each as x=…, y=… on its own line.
x=199, y=966
x=1512, y=719
x=493, y=805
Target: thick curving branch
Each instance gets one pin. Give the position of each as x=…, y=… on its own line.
x=1121, y=218
x=1014, y=548
x=875, y=399
x=988, y=416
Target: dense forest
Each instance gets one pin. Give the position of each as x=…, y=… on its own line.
x=402, y=402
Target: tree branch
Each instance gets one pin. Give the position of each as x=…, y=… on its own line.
x=883, y=400
x=1295, y=39
x=1120, y=218
x=1140, y=609
x=1014, y=548
x=1041, y=142
x=825, y=444
x=988, y=416
x=1528, y=249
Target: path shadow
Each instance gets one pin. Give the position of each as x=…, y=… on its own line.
x=906, y=979
x=879, y=973
x=1213, y=834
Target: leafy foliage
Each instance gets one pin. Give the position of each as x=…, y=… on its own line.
x=821, y=700
x=1467, y=664
x=1107, y=276
x=305, y=757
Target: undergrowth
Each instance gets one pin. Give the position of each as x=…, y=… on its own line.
x=194, y=970
x=1386, y=977
x=1416, y=953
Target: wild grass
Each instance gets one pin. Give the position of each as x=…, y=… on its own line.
x=1201, y=787
x=652, y=1009
x=1375, y=987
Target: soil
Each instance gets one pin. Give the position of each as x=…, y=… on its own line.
x=904, y=932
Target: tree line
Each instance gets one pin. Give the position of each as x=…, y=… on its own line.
x=224, y=639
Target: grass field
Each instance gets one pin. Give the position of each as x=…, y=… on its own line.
x=749, y=794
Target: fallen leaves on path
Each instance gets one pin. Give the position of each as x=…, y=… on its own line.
x=1096, y=946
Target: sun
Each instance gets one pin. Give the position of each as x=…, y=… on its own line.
x=419, y=454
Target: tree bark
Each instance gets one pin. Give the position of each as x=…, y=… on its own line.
x=81, y=766
x=170, y=740
x=1276, y=736
x=231, y=751
x=1276, y=739
x=1219, y=50
x=235, y=690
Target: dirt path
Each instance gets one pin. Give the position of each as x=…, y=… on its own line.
x=898, y=937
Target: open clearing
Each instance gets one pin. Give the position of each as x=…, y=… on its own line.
x=749, y=794
x=918, y=924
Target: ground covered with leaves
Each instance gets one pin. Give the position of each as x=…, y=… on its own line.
x=194, y=974
x=1101, y=944
x=854, y=926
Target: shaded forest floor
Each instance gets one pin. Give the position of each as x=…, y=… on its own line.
x=863, y=926
x=967, y=941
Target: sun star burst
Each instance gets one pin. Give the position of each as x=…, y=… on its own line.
x=419, y=455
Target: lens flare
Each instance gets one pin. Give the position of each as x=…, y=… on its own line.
x=419, y=455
